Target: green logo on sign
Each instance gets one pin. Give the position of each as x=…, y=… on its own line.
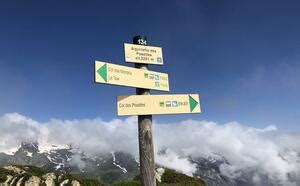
x=161, y=104
x=145, y=75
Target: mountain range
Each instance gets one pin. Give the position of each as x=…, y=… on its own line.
x=115, y=166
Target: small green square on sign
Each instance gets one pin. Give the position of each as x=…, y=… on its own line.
x=161, y=104
x=145, y=75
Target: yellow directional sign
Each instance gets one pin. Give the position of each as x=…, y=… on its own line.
x=127, y=76
x=143, y=54
x=158, y=104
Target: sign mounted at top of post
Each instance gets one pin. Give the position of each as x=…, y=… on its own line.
x=127, y=76
x=143, y=54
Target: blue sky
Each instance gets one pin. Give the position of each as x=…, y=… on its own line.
x=242, y=57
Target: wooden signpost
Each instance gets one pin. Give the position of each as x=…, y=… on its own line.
x=143, y=104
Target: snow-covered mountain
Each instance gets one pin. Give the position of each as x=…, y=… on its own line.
x=61, y=159
x=114, y=166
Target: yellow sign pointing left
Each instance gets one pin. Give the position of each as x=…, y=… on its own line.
x=127, y=76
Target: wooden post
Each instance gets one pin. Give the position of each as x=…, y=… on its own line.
x=147, y=163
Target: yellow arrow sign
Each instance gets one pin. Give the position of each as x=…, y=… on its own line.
x=143, y=54
x=158, y=104
x=127, y=76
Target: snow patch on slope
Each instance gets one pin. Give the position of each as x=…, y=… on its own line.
x=46, y=148
x=29, y=153
x=116, y=163
x=10, y=151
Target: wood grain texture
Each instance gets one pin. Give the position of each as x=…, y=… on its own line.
x=147, y=164
x=146, y=150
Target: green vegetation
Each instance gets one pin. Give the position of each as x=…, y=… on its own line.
x=68, y=176
x=111, y=176
x=32, y=170
x=127, y=183
x=90, y=182
x=171, y=177
x=4, y=173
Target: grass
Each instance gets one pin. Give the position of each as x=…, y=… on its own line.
x=32, y=170
x=90, y=182
x=127, y=183
x=171, y=177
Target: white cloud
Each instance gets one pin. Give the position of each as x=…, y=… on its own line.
x=77, y=161
x=171, y=160
x=267, y=151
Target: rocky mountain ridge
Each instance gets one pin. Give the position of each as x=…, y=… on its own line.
x=32, y=176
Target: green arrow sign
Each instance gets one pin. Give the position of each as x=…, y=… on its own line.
x=193, y=103
x=127, y=76
x=158, y=104
x=102, y=71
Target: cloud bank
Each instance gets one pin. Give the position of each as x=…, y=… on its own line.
x=266, y=151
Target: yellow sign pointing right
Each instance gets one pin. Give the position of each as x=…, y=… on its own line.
x=158, y=104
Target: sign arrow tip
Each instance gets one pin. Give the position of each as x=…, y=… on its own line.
x=193, y=103
x=103, y=72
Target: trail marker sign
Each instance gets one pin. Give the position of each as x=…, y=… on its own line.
x=143, y=54
x=143, y=104
x=127, y=76
x=158, y=104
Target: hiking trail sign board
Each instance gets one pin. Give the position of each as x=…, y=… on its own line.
x=158, y=104
x=143, y=54
x=143, y=104
x=127, y=76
